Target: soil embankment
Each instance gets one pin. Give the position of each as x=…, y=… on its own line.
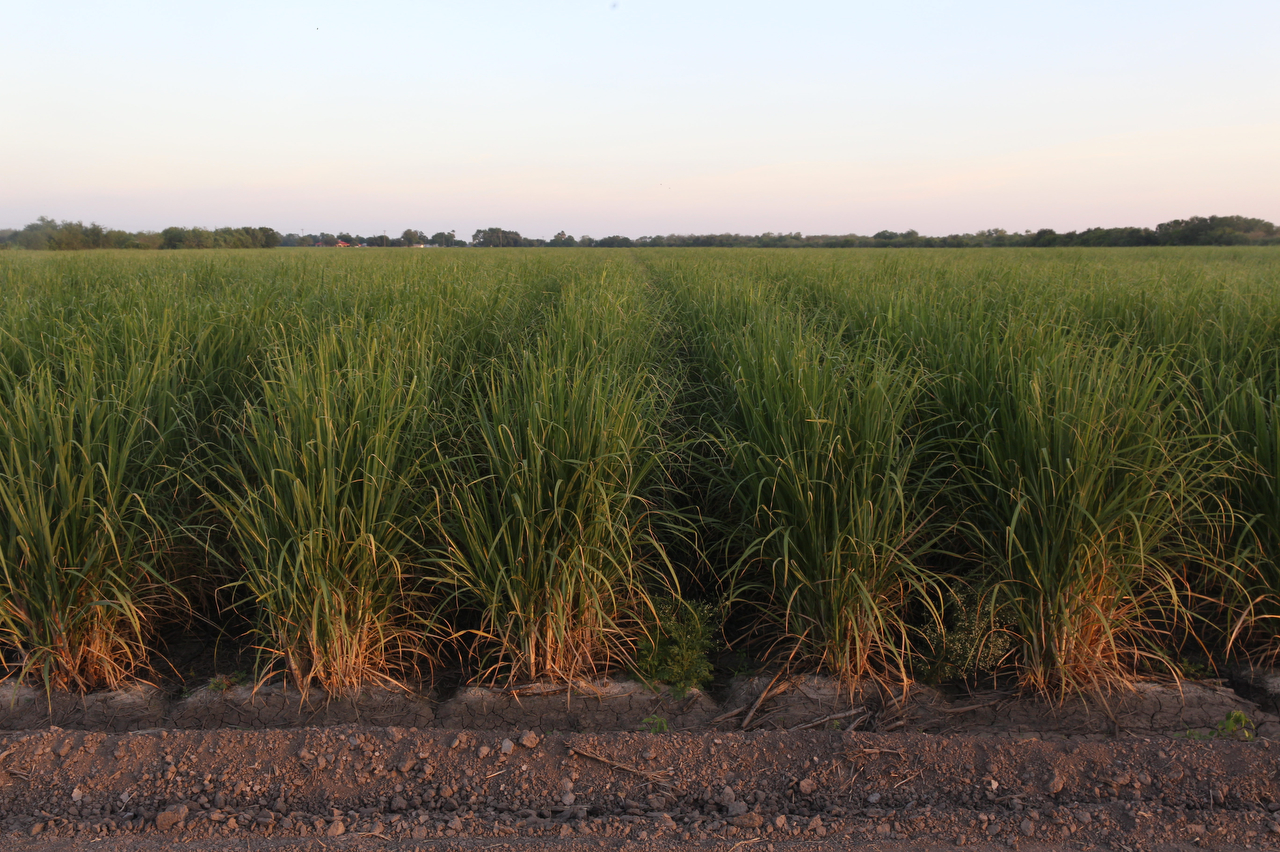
x=1161, y=769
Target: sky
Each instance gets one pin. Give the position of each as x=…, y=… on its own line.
x=639, y=117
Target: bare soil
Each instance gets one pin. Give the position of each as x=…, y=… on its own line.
x=776, y=764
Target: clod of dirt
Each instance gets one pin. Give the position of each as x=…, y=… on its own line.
x=171, y=817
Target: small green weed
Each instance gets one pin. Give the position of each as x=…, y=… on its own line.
x=1234, y=726
x=973, y=639
x=1237, y=726
x=223, y=683
x=1195, y=669
x=675, y=648
x=655, y=724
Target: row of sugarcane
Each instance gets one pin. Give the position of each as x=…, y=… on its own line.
x=1060, y=467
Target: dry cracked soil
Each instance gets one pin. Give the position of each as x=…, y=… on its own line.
x=776, y=764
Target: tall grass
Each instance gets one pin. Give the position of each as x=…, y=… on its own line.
x=1242, y=406
x=370, y=449
x=547, y=522
x=87, y=445
x=823, y=476
x=320, y=489
x=1086, y=499
x=825, y=468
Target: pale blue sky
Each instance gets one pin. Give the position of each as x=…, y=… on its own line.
x=639, y=117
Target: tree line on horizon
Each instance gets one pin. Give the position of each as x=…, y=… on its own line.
x=48, y=234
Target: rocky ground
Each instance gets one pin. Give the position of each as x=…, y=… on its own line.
x=775, y=765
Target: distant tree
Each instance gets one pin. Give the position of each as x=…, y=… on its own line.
x=46, y=233
x=270, y=237
x=173, y=238
x=121, y=240
x=1259, y=227
x=1213, y=230
x=71, y=236
x=496, y=238
x=445, y=239
x=35, y=235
